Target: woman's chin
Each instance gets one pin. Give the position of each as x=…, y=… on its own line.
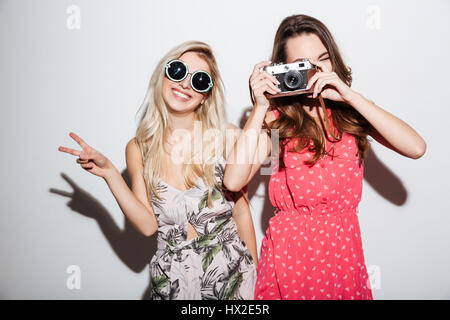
x=180, y=107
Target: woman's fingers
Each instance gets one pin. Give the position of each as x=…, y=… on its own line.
x=261, y=81
x=88, y=153
x=70, y=151
x=264, y=75
x=319, y=64
x=268, y=83
x=319, y=77
x=78, y=140
x=312, y=80
x=327, y=81
x=266, y=86
x=265, y=79
x=320, y=84
x=80, y=161
x=90, y=166
x=319, y=80
x=256, y=69
x=88, y=158
x=316, y=76
x=87, y=165
x=316, y=88
x=268, y=89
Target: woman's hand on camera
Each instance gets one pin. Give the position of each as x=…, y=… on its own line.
x=262, y=81
x=90, y=159
x=329, y=85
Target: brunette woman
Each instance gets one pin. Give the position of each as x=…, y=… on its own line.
x=312, y=248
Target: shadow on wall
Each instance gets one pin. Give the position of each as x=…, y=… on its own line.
x=133, y=249
x=385, y=182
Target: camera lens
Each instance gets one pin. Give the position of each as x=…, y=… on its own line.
x=293, y=79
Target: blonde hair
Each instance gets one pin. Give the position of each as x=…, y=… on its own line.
x=152, y=130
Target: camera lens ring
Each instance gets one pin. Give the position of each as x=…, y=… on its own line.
x=293, y=79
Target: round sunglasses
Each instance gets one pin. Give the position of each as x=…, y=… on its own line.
x=177, y=70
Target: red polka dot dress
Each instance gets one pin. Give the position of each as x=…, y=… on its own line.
x=312, y=248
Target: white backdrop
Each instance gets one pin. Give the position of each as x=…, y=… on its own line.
x=56, y=78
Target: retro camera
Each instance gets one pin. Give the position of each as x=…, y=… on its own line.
x=293, y=77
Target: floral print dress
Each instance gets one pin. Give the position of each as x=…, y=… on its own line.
x=217, y=264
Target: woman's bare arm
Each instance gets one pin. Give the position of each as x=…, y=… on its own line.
x=386, y=128
x=241, y=213
x=389, y=130
x=134, y=203
x=252, y=148
x=246, y=230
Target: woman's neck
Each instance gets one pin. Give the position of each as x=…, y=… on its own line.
x=181, y=121
x=312, y=108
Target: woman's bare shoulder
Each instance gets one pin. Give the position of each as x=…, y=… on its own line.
x=270, y=116
x=133, y=153
x=132, y=145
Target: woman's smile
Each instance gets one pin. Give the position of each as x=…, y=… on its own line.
x=180, y=95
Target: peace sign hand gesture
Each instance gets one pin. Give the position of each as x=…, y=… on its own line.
x=90, y=159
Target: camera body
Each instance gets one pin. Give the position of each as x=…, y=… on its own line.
x=293, y=77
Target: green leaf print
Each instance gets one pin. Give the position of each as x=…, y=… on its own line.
x=159, y=282
x=216, y=195
x=248, y=259
x=218, y=227
x=233, y=287
x=209, y=256
x=205, y=239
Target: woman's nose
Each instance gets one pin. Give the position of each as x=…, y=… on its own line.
x=186, y=82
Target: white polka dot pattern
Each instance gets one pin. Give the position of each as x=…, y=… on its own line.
x=312, y=248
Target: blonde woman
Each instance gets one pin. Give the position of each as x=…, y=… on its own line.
x=206, y=239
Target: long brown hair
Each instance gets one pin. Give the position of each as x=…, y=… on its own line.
x=294, y=121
